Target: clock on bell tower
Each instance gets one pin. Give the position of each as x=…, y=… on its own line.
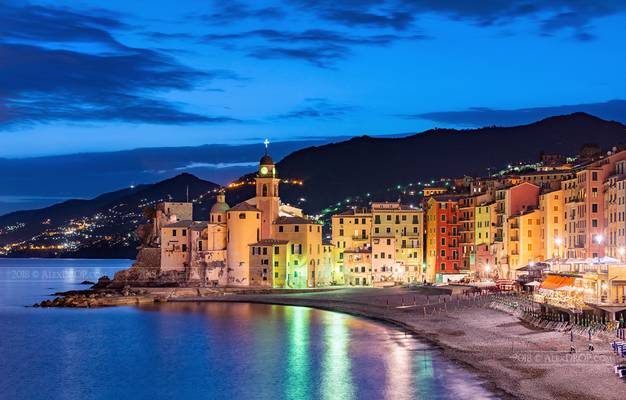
x=267, y=199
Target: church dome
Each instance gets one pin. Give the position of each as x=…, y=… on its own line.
x=219, y=208
x=266, y=160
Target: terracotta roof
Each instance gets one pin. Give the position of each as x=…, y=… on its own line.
x=243, y=206
x=199, y=225
x=269, y=242
x=293, y=220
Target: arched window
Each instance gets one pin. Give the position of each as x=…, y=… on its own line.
x=264, y=190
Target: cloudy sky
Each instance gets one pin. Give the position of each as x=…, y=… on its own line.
x=85, y=75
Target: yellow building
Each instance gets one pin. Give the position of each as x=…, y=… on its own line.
x=524, y=239
x=552, y=207
x=379, y=246
x=484, y=223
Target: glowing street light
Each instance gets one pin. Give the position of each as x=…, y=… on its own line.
x=558, y=241
x=599, y=239
x=621, y=251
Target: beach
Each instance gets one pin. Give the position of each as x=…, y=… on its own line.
x=516, y=359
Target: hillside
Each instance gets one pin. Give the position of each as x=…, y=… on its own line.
x=105, y=222
x=364, y=164
x=104, y=226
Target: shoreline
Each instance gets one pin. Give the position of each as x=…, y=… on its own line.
x=513, y=359
x=498, y=363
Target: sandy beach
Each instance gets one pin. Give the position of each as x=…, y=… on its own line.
x=515, y=359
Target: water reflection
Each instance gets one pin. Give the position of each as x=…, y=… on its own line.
x=211, y=351
x=336, y=379
x=297, y=383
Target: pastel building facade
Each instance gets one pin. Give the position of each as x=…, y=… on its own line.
x=378, y=246
x=259, y=242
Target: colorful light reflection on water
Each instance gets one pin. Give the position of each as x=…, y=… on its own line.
x=211, y=351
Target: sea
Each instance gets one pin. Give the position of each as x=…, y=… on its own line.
x=203, y=350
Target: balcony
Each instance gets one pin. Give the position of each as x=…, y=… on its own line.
x=360, y=237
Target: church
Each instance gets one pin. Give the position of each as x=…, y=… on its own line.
x=260, y=242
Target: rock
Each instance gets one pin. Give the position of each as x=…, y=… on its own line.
x=87, y=283
x=103, y=282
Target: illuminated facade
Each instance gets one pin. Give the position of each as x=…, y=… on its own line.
x=259, y=242
x=380, y=245
x=442, y=238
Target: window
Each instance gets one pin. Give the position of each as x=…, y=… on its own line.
x=388, y=242
x=443, y=266
x=443, y=217
x=415, y=221
x=341, y=220
x=184, y=232
x=275, y=275
x=184, y=247
x=594, y=208
x=594, y=223
x=594, y=176
x=173, y=232
x=377, y=219
x=280, y=228
x=242, y=215
x=356, y=221
x=276, y=250
x=264, y=251
x=340, y=232
x=296, y=228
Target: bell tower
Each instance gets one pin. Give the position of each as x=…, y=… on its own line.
x=267, y=199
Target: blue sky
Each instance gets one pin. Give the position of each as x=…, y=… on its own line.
x=80, y=76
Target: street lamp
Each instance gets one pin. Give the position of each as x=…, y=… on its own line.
x=559, y=242
x=599, y=239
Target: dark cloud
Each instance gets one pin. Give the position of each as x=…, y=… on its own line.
x=317, y=108
x=233, y=11
x=41, y=83
x=552, y=15
x=319, y=47
x=478, y=116
x=37, y=23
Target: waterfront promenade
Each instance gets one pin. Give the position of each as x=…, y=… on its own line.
x=515, y=358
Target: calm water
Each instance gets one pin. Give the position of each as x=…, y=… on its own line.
x=202, y=350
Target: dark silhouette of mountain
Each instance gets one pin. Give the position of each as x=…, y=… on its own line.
x=364, y=164
x=115, y=215
x=330, y=173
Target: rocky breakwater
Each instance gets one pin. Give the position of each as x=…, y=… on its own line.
x=98, y=297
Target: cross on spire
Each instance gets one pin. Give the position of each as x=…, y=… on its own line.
x=266, y=142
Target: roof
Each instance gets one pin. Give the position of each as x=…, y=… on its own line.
x=219, y=208
x=266, y=160
x=188, y=224
x=446, y=197
x=352, y=211
x=269, y=242
x=293, y=220
x=243, y=206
